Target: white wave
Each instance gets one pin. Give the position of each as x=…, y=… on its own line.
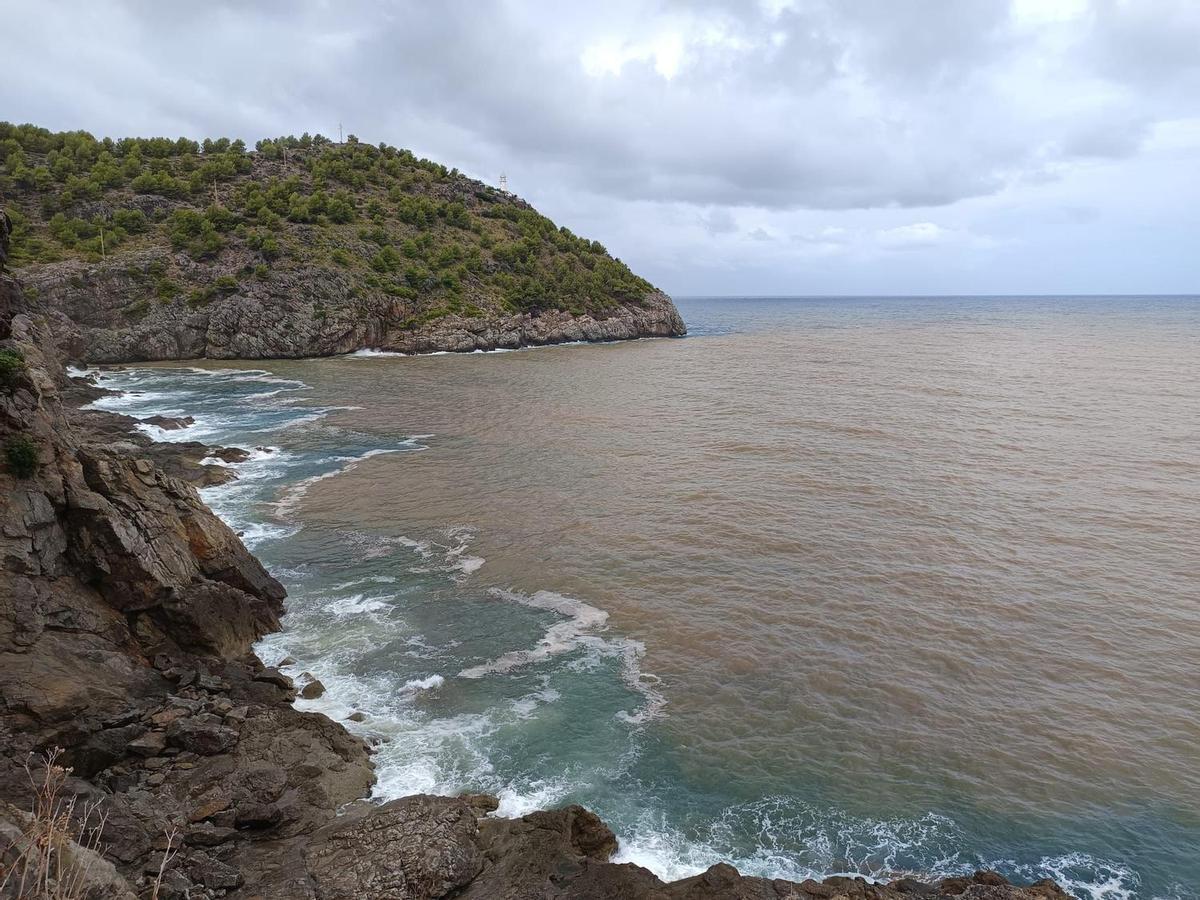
x=525, y=706
x=368, y=352
x=559, y=638
x=356, y=604
x=450, y=557
x=794, y=841
x=369, y=579
x=255, y=533
x=416, y=685
x=541, y=794
x=644, y=683
x=1085, y=876
x=128, y=398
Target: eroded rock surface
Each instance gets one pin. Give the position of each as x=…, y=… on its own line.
x=279, y=318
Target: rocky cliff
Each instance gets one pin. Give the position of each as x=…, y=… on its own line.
x=163, y=249
x=127, y=616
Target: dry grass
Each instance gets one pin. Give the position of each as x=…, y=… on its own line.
x=44, y=862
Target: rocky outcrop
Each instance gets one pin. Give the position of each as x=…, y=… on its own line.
x=430, y=847
x=309, y=311
x=127, y=616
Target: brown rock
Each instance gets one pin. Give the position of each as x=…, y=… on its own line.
x=417, y=846
x=149, y=744
x=312, y=690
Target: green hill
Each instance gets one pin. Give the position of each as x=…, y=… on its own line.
x=134, y=235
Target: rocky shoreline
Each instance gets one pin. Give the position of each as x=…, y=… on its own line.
x=292, y=316
x=128, y=613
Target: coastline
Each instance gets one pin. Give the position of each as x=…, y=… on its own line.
x=185, y=726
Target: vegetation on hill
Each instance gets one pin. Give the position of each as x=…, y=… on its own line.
x=403, y=226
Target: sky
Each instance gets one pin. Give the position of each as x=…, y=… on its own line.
x=718, y=147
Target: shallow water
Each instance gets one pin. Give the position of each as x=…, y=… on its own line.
x=833, y=585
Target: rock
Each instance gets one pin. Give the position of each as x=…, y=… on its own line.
x=275, y=677
x=229, y=454
x=205, y=834
x=953, y=886
x=816, y=889
x=312, y=690
x=481, y=803
x=169, y=423
x=992, y=879
x=257, y=815
x=209, y=806
x=531, y=854
x=212, y=873
x=912, y=887
x=149, y=744
x=418, y=847
x=201, y=737
x=357, y=716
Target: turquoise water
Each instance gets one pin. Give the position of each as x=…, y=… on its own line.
x=667, y=580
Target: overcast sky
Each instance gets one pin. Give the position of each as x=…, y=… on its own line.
x=764, y=146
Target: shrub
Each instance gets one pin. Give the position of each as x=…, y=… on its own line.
x=386, y=260
x=12, y=369
x=21, y=454
x=166, y=289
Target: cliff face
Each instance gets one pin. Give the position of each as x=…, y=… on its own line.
x=127, y=616
x=163, y=249
x=300, y=312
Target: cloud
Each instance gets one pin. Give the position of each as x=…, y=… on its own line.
x=918, y=234
x=793, y=114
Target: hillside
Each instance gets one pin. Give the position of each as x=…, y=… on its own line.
x=172, y=249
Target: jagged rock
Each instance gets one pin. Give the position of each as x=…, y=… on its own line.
x=212, y=873
x=275, y=677
x=230, y=454
x=415, y=847
x=170, y=423
x=201, y=737
x=149, y=744
x=312, y=690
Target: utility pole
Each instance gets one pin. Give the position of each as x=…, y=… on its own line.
x=339, y=132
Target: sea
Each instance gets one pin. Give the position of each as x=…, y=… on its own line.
x=869, y=585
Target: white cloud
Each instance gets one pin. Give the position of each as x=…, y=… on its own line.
x=673, y=131
x=918, y=234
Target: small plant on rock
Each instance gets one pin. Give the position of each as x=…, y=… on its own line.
x=21, y=454
x=12, y=369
